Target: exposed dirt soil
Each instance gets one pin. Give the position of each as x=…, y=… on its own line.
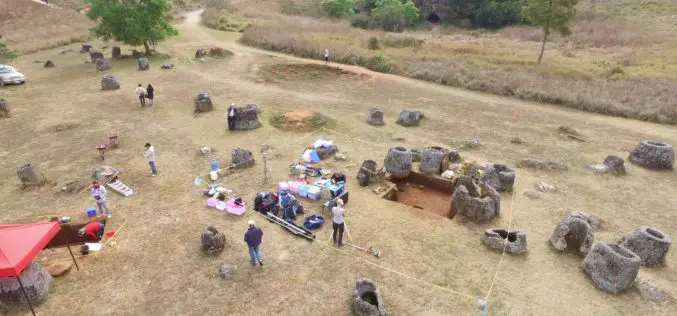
x=422, y=197
x=299, y=121
x=290, y=72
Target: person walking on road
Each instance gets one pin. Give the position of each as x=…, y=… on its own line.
x=141, y=93
x=150, y=94
x=339, y=222
x=326, y=56
x=99, y=194
x=150, y=157
x=253, y=238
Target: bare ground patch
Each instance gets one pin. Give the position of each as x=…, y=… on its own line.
x=292, y=72
x=299, y=121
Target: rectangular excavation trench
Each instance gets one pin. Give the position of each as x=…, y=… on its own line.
x=422, y=191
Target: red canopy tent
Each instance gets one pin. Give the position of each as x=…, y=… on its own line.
x=20, y=244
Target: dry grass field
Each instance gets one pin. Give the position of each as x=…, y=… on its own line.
x=431, y=265
x=620, y=59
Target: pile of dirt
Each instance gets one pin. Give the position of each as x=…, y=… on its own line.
x=299, y=121
x=291, y=72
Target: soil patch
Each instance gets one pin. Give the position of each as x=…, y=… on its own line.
x=423, y=192
x=293, y=72
x=299, y=121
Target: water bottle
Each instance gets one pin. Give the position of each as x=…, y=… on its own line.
x=215, y=165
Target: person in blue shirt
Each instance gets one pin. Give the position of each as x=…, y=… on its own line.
x=253, y=238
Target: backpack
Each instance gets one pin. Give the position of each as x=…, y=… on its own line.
x=313, y=222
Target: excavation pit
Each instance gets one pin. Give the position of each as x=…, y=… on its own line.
x=422, y=191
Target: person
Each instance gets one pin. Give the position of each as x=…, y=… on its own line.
x=93, y=229
x=326, y=56
x=141, y=93
x=150, y=94
x=253, y=238
x=338, y=180
x=150, y=157
x=288, y=212
x=338, y=222
x=99, y=194
x=231, y=117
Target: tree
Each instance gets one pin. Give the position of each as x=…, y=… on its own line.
x=550, y=15
x=338, y=8
x=133, y=22
x=394, y=15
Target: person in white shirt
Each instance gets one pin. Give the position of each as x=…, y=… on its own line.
x=326, y=56
x=141, y=93
x=231, y=117
x=99, y=194
x=338, y=222
x=150, y=157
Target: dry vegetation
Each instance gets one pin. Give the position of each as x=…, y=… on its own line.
x=27, y=26
x=612, y=64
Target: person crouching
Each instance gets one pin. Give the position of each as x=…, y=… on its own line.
x=93, y=229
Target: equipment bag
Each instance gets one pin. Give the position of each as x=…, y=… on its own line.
x=313, y=222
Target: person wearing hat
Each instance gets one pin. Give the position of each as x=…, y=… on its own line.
x=99, y=194
x=253, y=238
x=231, y=117
x=150, y=157
x=93, y=229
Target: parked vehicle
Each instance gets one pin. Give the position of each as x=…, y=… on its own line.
x=9, y=75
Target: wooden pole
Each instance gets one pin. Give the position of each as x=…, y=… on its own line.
x=72, y=256
x=25, y=294
x=265, y=167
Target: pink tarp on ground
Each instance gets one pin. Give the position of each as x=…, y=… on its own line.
x=233, y=208
x=20, y=243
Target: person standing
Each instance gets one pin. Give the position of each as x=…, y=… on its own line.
x=231, y=117
x=287, y=205
x=99, y=194
x=141, y=93
x=338, y=222
x=150, y=157
x=326, y=56
x=150, y=94
x=253, y=238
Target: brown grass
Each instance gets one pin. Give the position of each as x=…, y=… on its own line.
x=27, y=26
x=597, y=69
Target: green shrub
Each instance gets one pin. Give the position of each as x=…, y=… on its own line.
x=498, y=13
x=338, y=8
x=5, y=53
x=373, y=43
x=362, y=21
x=393, y=15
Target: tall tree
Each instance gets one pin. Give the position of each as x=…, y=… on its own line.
x=550, y=15
x=133, y=22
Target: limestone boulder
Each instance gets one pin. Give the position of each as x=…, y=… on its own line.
x=431, y=159
x=93, y=56
x=49, y=64
x=203, y=103
x=102, y=64
x=650, y=244
x=36, y=281
x=499, y=177
x=116, y=53
x=615, y=165
x=409, y=118
x=212, y=240
x=31, y=175
x=247, y=118
x=85, y=48
x=612, y=267
x=367, y=173
x=367, y=299
x=200, y=52
x=242, y=158
x=375, y=117
x=499, y=238
x=4, y=109
x=577, y=228
x=226, y=271
x=144, y=63
x=540, y=164
x=476, y=208
x=167, y=66
x=653, y=154
x=398, y=162
x=109, y=82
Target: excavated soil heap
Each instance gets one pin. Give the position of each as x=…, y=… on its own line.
x=300, y=121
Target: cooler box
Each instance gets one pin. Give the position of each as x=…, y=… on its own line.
x=295, y=186
x=303, y=190
x=314, y=193
x=283, y=186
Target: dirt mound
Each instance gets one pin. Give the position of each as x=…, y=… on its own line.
x=289, y=72
x=299, y=121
